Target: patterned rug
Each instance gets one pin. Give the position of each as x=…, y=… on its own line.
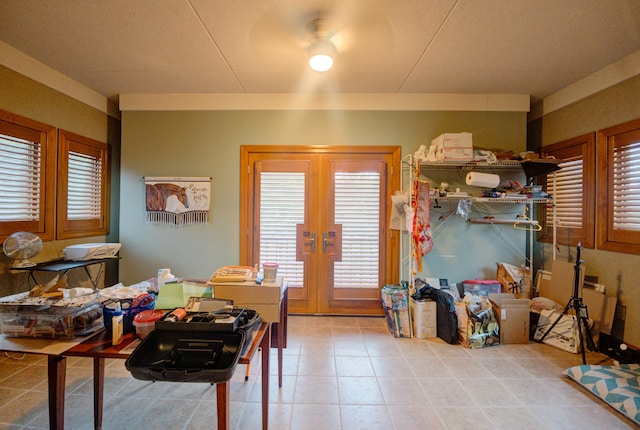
x=619, y=386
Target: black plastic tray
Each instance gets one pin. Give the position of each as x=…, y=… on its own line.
x=186, y=356
x=197, y=321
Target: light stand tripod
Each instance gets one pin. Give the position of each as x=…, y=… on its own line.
x=580, y=311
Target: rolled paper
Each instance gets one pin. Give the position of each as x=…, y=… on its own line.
x=484, y=180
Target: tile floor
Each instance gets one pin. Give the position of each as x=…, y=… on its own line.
x=339, y=373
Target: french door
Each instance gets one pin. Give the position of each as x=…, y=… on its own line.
x=322, y=214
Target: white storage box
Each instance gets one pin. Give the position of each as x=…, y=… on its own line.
x=90, y=251
x=453, y=147
x=423, y=314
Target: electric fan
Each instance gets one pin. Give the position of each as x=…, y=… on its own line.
x=20, y=247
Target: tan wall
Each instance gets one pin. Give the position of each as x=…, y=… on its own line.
x=25, y=97
x=619, y=272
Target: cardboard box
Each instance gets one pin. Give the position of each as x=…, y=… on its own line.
x=423, y=314
x=558, y=286
x=453, y=147
x=264, y=298
x=513, y=317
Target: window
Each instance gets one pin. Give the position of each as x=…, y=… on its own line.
x=82, y=187
x=281, y=210
x=619, y=188
x=574, y=190
x=27, y=169
x=357, y=209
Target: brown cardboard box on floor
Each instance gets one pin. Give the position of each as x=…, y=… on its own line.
x=559, y=285
x=513, y=317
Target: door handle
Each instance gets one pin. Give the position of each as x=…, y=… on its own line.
x=332, y=242
x=305, y=242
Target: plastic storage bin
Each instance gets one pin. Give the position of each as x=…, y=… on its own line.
x=481, y=287
x=49, y=325
x=145, y=322
x=130, y=308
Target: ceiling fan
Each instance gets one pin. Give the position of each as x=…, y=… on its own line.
x=282, y=37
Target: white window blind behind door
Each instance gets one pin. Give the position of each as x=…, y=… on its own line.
x=20, y=166
x=281, y=209
x=357, y=208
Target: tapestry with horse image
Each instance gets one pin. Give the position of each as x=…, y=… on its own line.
x=177, y=201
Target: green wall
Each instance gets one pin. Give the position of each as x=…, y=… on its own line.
x=207, y=143
x=23, y=96
x=617, y=271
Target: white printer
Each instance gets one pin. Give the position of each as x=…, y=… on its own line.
x=90, y=251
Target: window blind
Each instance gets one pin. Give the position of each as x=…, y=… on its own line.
x=626, y=187
x=84, y=190
x=282, y=203
x=568, y=193
x=20, y=166
x=357, y=208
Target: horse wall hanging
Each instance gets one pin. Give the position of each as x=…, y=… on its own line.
x=177, y=201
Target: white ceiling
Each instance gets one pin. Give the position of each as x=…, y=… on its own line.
x=385, y=46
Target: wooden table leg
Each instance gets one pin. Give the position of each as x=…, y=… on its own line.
x=222, y=398
x=279, y=333
x=266, y=351
x=57, y=372
x=280, y=346
x=98, y=391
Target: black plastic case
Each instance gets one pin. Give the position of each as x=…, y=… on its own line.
x=186, y=356
x=195, y=351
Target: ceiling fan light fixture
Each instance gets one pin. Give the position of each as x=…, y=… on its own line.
x=321, y=54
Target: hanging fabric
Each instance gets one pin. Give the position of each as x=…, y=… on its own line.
x=421, y=232
x=177, y=201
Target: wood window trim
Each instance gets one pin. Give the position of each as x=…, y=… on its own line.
x=45, y=226
x=584, y=145
x=606, y=240
x=68, y=229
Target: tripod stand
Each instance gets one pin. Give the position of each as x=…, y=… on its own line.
x=579, y=309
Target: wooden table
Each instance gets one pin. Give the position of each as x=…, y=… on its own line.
x=99, y=348
x=56, y=363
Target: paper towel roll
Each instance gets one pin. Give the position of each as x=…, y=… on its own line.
x=485, y=180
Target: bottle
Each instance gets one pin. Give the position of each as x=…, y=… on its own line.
x=176, y=315
x=164, y=275
x=117, y=325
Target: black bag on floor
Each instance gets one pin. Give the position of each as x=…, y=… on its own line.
x=446, y=317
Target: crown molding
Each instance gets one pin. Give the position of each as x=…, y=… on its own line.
x=337, y=101
x=605, y=78
x=40, y=72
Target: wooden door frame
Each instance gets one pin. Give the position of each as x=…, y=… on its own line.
x=247, y=237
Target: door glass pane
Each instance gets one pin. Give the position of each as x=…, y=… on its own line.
x=357, y=208
x=281, y=209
